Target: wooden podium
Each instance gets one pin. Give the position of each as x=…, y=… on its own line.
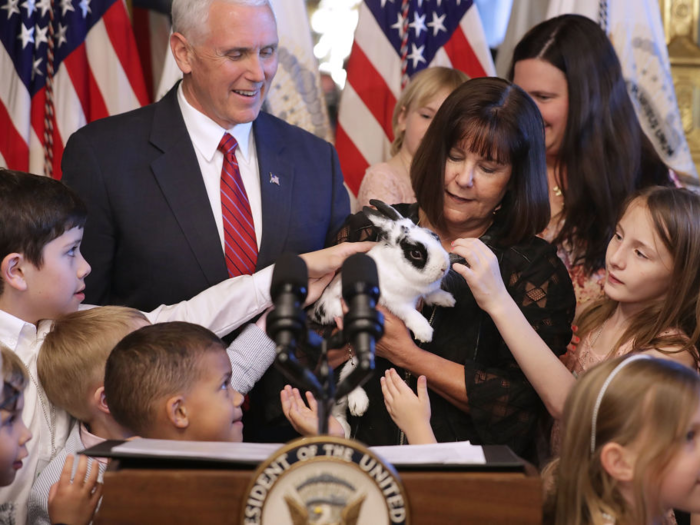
x=167, y=491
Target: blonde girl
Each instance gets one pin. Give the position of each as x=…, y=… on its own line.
x=651, y=304
x=631, y=448
x=414, y=111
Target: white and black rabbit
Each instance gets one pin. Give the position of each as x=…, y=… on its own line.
x=411, y=264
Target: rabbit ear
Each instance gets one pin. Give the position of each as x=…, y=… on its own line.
x=386, y=210
x=384, y=224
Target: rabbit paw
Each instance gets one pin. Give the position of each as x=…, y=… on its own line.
x=440, y=298
x=358, y=402
x=423, y=332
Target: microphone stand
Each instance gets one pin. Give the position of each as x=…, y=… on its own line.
x=321, y=384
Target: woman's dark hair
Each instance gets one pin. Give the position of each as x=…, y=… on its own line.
x=498, y=121
x=604, y=154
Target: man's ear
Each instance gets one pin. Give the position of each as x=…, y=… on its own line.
x=99, y=400
x=618, y=461
x=182, y=51
x=12, y=271
x=176, y=412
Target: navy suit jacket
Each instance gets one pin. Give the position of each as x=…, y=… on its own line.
x=150, y=236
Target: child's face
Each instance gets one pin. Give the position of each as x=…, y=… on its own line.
x=680, y=484
x=13, y=441
x=639, y=267
x=416, y=120
x=57, y=288
x=213, y=407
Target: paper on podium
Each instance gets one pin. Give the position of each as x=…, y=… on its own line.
x=217, y=451
x=411, y=455
x=455, y=453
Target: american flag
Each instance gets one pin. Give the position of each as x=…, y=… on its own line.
x=393, y=40
x=63, y=63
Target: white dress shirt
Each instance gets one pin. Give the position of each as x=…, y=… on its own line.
x=221, y=308
x=206, y=135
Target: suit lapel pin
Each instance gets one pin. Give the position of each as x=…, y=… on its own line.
x=274, y=179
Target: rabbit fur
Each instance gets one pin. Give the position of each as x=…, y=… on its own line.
x=411, y=264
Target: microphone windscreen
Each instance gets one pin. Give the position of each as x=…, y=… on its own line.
x=359, y=274
x=290, y=270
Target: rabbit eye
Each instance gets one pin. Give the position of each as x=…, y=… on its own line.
x=416, y=254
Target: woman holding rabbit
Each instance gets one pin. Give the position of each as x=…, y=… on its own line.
x=479, y=172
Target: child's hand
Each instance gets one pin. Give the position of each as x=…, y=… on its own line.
x=74, y=502
x=305, y=419
x=483, y=275
x=410, y=412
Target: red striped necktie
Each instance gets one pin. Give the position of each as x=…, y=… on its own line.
x=240, y=244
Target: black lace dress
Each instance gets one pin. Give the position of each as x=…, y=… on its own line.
x=503, y=406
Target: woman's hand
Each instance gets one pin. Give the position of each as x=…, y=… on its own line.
x=483, y=274
x=396, y=341
x=305, y=419
x=74, y=502
x=410, y=412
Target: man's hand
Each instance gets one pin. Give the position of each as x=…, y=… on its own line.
x=323, y=264
x=74, y=502
x=329, y=260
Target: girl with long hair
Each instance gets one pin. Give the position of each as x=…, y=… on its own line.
x=651, y=295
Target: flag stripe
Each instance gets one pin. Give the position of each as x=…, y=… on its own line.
x=372, y=89
x=108, y=72
x=352, y=161
x=474, y=33
x=363, y=128
x=462, y=55
x=12, y=146
x=14, y=96
x=83, y=82
x=371, y=39
x=118, y=27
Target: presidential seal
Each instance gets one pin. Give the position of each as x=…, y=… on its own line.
x=325, y=481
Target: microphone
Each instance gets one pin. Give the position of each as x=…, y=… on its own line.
x=288, y=291
x=363, y=325
x=288, y=320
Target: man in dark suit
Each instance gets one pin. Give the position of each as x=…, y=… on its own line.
x=156, y=233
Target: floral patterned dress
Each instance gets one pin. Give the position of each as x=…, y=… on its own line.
x=587, y=287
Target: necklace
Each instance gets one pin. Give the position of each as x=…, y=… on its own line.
x=557, y=191
x=597, y=335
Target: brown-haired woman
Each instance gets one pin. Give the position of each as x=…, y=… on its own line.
x=479, y=172
x=597, y=153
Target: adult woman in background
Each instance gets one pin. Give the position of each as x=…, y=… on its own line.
x=480, y=172
x=390, y=181
x=597, y=153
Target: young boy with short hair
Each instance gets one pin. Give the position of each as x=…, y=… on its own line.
x=173, y=381
x=71, y=368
